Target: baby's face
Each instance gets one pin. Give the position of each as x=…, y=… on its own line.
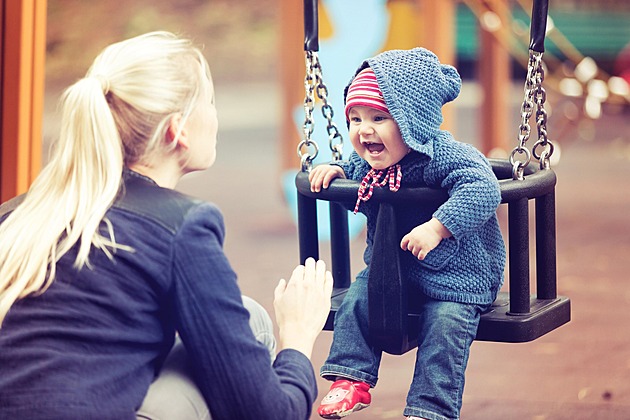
x=376, y=137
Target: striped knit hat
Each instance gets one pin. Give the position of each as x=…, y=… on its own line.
x=414, y=86
x=364, y=91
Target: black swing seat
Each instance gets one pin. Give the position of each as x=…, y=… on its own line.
x=515, y=316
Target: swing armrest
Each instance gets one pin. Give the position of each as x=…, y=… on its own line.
x=535, y=183
x=345, y=191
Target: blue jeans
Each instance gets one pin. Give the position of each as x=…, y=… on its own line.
x=447, y=330
x=174, y=395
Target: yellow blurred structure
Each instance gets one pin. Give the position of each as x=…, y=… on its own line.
x=22, y=57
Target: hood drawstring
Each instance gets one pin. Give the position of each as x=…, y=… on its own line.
x=373, y=178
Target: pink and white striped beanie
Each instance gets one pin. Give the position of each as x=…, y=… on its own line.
x=364, y=91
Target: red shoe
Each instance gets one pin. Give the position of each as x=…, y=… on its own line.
x=344, y=398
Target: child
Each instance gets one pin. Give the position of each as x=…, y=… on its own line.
x=456, y=255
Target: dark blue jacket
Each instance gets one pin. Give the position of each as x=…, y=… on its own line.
x=89, y=347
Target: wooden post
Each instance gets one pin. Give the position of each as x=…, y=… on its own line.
x=439, y=37
x=22, y=58
x=494, y=77
x=291, y=78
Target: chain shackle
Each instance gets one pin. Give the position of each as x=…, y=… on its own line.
x=518, y=165
x=306, y=158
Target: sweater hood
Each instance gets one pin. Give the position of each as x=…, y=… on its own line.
x=415, y=86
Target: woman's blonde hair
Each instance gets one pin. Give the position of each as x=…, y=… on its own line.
x=117, y=115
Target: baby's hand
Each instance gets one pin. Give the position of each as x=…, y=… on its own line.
x=424, y=238
x=322, y=175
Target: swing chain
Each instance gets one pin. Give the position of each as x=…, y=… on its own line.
x=543, y=143
x=534, y=94
x=306, y=158
x=328, y=113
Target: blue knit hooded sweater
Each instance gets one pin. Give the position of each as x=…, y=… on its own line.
x=467, y=267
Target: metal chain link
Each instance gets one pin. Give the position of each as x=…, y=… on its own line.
x=314, y=82
x=306, y=158
x=524, y=130
x=534, y=94
x=328, y=113
x=543, y=148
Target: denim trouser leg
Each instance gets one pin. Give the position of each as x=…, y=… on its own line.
x=447, y=331
x=174, y=394
x=351, y=356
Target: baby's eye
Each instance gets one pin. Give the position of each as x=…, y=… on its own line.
x=380, y=118
x=355, y=119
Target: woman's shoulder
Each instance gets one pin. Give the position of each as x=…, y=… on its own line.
x=166, y=207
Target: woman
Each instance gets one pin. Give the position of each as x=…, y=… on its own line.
x=102, y=262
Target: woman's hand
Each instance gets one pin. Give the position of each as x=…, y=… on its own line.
x=302, y=305
x=321, y=176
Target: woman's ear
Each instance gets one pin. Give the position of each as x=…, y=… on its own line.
x=176, y=133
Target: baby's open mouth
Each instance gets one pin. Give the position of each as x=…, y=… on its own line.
x=374, y=148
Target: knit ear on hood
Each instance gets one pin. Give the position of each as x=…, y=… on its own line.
x=452, y=83
x=415, y=86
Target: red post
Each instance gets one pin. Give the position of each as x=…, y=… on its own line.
x=439, y=37
x=291, y=78
x=22, y=57
x=494, y=77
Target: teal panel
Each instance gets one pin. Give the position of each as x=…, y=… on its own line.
x=601, y=35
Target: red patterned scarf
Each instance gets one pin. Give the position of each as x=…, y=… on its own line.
x=373, y=178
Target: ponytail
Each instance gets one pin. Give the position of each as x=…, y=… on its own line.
x=118, y=114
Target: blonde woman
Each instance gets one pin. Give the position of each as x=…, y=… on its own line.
x=102, y=262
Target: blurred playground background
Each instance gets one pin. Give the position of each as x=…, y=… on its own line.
x=255, y=48
x=254, y=43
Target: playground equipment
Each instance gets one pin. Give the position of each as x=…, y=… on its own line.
x=22, y=56
x=515, y=316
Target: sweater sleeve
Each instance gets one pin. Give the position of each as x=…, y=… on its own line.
x=233, y=370
x=352, y=167
x=473, y=189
